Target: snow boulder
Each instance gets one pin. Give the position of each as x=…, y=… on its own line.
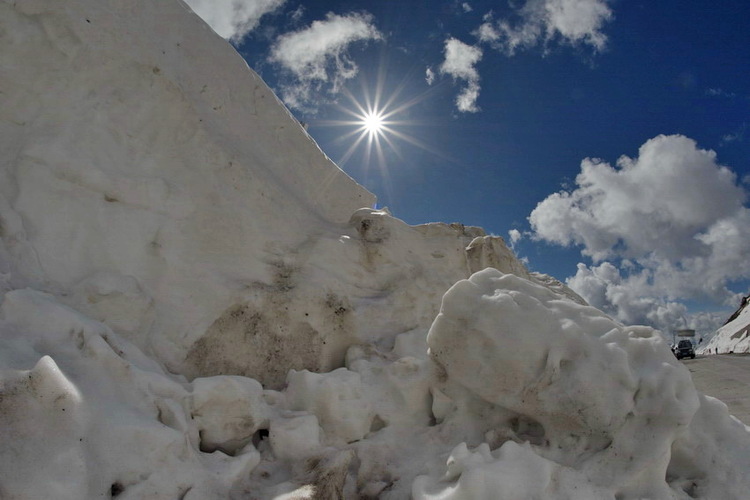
x=228, y=411
x=337, y=399
x=85, y=414
x=602, y=400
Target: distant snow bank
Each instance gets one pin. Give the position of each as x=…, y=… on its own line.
x=195, y=304
x=732, y=337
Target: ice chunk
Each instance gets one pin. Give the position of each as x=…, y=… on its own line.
x=512, y=472
x=228, y=410
x=42, y=424
x=295, y=437
x=608, y=399
x=336, y=398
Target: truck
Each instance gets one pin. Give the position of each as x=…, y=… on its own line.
x=684, y=349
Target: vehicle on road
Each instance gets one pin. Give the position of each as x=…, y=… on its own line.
x=684, y=349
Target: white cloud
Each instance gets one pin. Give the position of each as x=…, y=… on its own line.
x=487, y=32
x=317, y=56
x=429, y=76
x=577, y=21
x=657, y=203
x=674, y=220
x=297, y=13
x=737, y=136
x=719, y=92
x=460, y=59
x=233, y=19
x=466, y=100
x=632, y=300
x=572, y=21
x=467, y=8
x=515, y=236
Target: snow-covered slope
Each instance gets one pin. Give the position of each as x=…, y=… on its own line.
x=153, y=182
x=734, y=336
x=196, y=303
x=132, y=174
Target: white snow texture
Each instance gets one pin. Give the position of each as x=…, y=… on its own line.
x=194, y=304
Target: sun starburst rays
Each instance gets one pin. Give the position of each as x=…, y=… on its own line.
x=373, y=122
x=376, y=127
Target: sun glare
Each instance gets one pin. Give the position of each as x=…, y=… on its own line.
x=373, y=122
x=376, y=125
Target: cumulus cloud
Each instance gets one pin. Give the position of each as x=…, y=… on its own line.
x=317, y=56
x=668, y=225
x=460, y=59
x=632, y=299
x=466, y=100
x=233, y=19
x=574, y=22
x=487, y=32
x=466, y=7
x=658, y=203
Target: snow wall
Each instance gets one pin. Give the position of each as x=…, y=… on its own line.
x=732, y=337
x=198, y=304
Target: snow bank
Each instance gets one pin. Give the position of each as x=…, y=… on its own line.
x=734, y=336
x=525, y=394
x=155, y=183
x=139, y=145
x=85, y=415
x=602, y=404
x=195, y=304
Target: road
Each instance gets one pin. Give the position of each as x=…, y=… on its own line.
x=725, y=377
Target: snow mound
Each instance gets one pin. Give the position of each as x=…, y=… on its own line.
x=196, y=303
x=152, y=181
x=86, y=415
x=602, y=405
x=523, y=394
x=141, y=163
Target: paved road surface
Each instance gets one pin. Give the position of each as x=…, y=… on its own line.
x=725, y=377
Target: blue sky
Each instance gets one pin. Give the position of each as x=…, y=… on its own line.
x=606, y=141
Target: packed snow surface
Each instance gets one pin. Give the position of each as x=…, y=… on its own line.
x=196, y=303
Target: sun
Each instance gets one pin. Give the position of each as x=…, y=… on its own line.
x=373, y=122
x=376, y=124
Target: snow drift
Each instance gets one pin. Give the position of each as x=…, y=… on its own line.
x=197, y=303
